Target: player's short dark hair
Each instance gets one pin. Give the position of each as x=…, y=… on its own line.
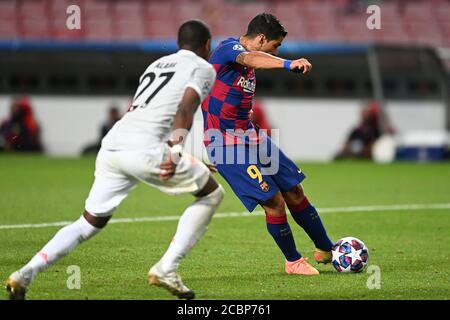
x=266, y=24
x=193, y=34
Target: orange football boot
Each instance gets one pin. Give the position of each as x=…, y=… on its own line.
x=322, y=256
x=301, y=266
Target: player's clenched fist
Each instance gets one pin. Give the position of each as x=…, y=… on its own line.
x=301, y=64
x=167, y=169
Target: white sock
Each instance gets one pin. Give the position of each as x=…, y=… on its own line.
x=62, y=243
x=191, y=227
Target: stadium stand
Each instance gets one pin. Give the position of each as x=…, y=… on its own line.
x=412, y=22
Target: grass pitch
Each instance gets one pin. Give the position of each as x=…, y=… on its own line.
x=237, y=259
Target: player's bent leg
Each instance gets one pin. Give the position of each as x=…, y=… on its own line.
x=191, y=227
x=65, y=240
x=280, y=231
x=108, y=190
x=308, y=218
x=96, y=221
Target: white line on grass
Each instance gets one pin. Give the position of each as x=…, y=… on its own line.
x=396, y=207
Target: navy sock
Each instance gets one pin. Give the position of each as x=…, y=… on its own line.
x=280, y=230
x=307, y=217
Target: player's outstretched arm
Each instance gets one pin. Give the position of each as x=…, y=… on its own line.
x=262, y=60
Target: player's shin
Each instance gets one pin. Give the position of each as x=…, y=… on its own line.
x=308, y=218
x=191, y=227
x=62, y=243
x=280, y=231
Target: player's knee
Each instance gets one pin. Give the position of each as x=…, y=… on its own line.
x=214, y=197
x=212, y=192
x=297, y=191
x=275, y=206
x=295, y=195
x=217, y=195
x=97, y=222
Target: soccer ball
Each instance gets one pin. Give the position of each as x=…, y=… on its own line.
x=350, y=255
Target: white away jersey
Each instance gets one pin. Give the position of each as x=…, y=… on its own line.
x=156, y=101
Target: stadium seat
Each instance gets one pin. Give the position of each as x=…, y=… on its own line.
x=128, y=22
x=160, y=28
x=159, y=11
x=229, y=28
x=8, y=9
x=289, y=11
x=442, y=12
x=97, y=8
x=324, y=30
x=445, y=27
x=390, y=13
x=417, y=22
x=420, y=12
x=189, y=10
x=9, y=29
x=96, y=17
x=354, y=28
x=321, y=20
x=392, y=33
x=127, y=10
x=442, y=16
x=425, y=33
x=291, y=17
x=325, y=11
x=35, y=29
x=98, y=29
x=129, y=30
x=248, y=10
x=297, y=30
x=33, y=18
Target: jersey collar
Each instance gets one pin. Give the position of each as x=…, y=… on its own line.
x=186, y=52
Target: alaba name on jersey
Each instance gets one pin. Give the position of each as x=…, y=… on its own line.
x=228, y=106
x=155, y=103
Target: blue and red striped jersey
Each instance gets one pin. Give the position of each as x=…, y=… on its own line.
x=228, y=106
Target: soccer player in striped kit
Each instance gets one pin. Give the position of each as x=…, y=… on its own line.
x=226, y=113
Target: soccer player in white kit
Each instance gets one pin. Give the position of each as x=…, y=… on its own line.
x=143, y=147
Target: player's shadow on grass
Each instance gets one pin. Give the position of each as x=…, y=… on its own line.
x=328, y=272
x=259, y=276
x=269, y=275
x=237, y=276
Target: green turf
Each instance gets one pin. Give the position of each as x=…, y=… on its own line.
x=237, y=259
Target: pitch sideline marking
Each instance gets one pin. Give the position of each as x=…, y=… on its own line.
x=400, y=207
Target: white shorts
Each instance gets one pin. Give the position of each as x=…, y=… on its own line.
x=117, y=172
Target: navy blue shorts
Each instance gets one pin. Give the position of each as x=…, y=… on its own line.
x=255, y=172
